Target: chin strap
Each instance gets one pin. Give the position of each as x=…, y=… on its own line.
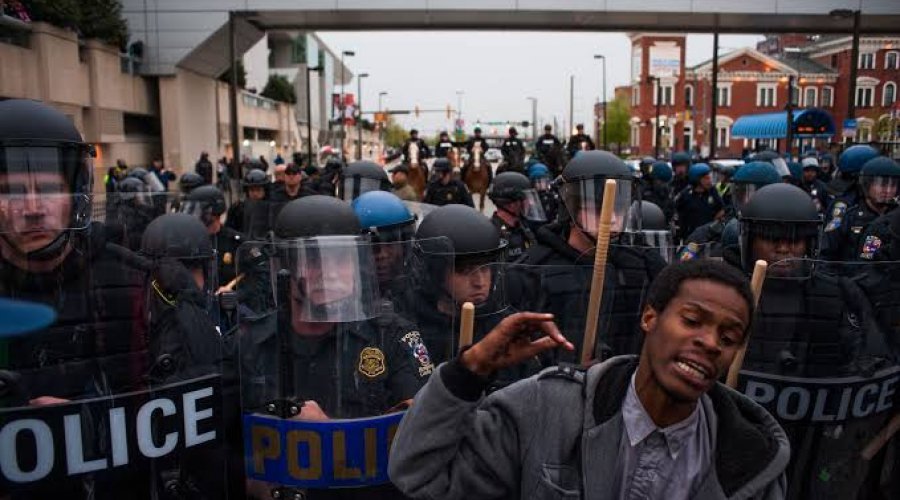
x=53, y=250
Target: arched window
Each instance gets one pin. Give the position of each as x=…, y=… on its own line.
x=688, y=96
x=892, y=60
x=888, y=94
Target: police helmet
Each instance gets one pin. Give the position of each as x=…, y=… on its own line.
x=647, y=161
x=384, y=216
x=413, y=132
x=697, y=172
x=661, y=171
x=652, y=217
x=779, y=212
x=316, y=215
x=129, y=186
x=513, y=131
x=680, y=158
x=810, y=163
x=138, y=173
x=796, y=169
x=190, y=181
x=35, y=137
x=538, y=170
x=582, y=187
x=361, y=177
x=508, y=187
x=206, y=202
x=177, y=236
x=255, y=178
x=750, y=178
x=477, y=130
x=853, y=158
x=726, y=171
x=882, y=172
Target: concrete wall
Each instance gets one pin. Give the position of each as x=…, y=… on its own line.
x=187, y=104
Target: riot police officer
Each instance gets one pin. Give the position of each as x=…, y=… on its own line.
x=360, y=177
x=391, y=227
x=547, y=147
x=422, y=151
x=579, y=141
x=844, y=186
x=699, y=203
x=539, y=175
x=329, y=351
x=516, y=203
x=559, y=282
x=655, y=187
x=513, y=150
x=724, y=173
x=129, y=210
x=811, y=183
x=813, y=331
x=444, y=145
x=292, y=188
x=444, y=189
x=208, y=204
x=95, y=358
x=878, y=181
x=681, y=162
x=255, y=185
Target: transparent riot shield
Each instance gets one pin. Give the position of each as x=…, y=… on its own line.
x=258, y=218
x=822, y=358
x=420, y=210
x=325, y=374
x=121, y=397
x=565, y=291
x=661, y=242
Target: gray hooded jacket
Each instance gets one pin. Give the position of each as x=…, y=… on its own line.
x=556, y=436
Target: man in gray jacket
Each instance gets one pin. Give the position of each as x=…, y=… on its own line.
x=657, y=426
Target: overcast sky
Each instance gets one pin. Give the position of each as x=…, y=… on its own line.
x=496, y=71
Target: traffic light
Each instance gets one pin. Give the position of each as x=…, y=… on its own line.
x=525, y=124
x=417, y=111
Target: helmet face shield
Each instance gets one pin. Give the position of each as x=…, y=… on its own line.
x=741, y=194
x=532, y=209
x=787, y=243
x=332, y=279
x=44, y=191
x=880, y=189
x=661, y=241
x=583, y=199
x=541, y=183
x=353, y=187
x=200, y=210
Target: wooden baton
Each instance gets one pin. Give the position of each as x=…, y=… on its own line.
x=466, y=324
x=756, y=284
x=600, y=255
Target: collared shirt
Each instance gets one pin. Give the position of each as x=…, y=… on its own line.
x=661, y=463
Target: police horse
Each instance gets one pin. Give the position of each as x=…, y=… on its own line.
x=477, y=175
x=418, y=171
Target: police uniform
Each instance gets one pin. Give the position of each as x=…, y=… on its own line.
x=659, y=194
x=447, y=194
x=442, y=148
x=557, y=280
x=513, y=148
x=546, y=145
x=844, y=233
x=574, y=144
x=695, y=209
x=481, y=141
x=819, y=193
x=518, y=238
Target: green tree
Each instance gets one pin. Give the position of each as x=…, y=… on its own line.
x=394, y=134
x=62, y=13
x=280, y=89
x=102, y=19
x=618, y=121
x=241, y=75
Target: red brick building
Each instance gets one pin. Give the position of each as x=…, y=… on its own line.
x=754, y=81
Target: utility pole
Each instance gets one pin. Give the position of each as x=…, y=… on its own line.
x=359, y=141
x=713, y=128
x=789, y=135
x=309, y=148
x=603, y=99
x=348, y=53
x=534, y=125
x=656, y=127
x=571, y=104
x=232, y=92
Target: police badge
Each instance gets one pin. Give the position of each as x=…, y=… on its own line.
x=371, y=362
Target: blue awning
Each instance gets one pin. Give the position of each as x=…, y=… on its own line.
x=810, y=122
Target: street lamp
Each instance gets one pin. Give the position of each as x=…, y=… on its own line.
x=347, y=53
x=605, y=143
x=309, y=148
x=789, y=107
x=854, y=56
x=534, y=124
x=381, y=125
x=359, y=141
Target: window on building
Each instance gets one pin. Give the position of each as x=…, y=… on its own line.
x=865, y=96
x=864, y=133
x=810, y=96
x=298, y=50
x=834, y=60
x=765, y=96
x=667, y=94
x=889, y=94
x=688, y=96
x=892, y=60
x=827, y=97
x=867, y=61
x=635, y=135
x=635, y=95
x=722, y=136
x=688, y=138
x=724, y=95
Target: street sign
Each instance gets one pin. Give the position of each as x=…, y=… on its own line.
x=849, y=127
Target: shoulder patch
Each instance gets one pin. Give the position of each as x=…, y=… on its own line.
x=870, y=247
x=413, y=340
